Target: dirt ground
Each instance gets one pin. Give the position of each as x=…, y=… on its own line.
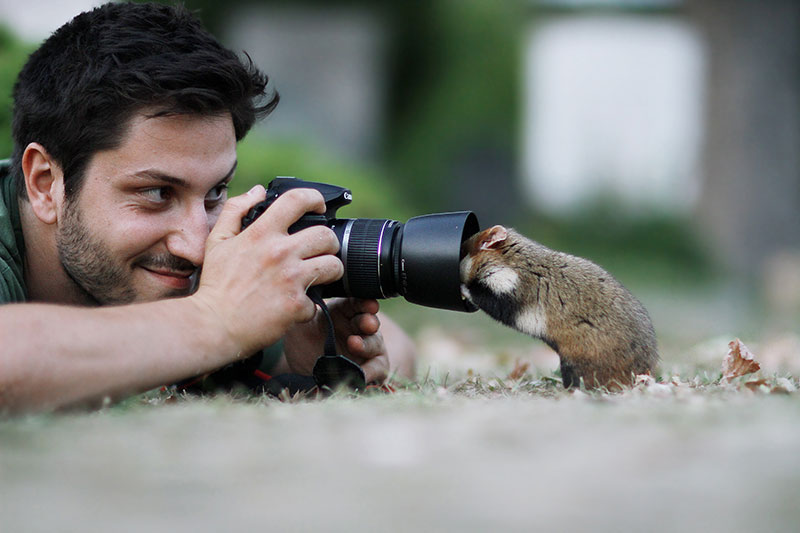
x=464, y=449
x=435, y=460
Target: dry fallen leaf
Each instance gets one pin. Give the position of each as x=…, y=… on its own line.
x=739, y=361
x=520, y=367
x=777, y=386
x=756, y=384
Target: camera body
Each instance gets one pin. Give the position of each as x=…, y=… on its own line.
x=335, y=197
x=385, y=258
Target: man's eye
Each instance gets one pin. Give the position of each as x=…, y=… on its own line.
x=217, y=194
x=158, y=195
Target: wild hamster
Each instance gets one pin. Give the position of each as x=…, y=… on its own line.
x=600, y=331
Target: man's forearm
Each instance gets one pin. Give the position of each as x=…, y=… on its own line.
x=252, y=289
x=52, y=356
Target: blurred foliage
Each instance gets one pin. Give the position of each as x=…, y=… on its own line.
x=454, y=107
x=374, y=196
x=660, y=249
x=455, y=87
x=453, y=100
x=13, y=54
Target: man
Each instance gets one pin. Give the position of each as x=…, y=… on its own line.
x=125, y=128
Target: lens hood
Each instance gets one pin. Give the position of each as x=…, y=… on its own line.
x=430, y=256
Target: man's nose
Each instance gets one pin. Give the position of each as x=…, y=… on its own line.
x=188, y=239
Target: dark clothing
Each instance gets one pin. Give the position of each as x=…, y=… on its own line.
x=12, y=246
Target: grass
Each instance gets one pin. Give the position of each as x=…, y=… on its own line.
x=479, y=442
x=464, y=451
x=472, y=459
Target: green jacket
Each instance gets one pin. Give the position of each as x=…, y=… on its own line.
x=12, y=246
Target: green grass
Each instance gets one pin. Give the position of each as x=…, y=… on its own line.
x=478, y=453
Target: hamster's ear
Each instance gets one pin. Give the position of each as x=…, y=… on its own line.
x=494, y=237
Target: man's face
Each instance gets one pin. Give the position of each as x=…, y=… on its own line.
x=137, y=230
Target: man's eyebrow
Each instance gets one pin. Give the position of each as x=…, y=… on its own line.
x=179, y=182
x=229, y=175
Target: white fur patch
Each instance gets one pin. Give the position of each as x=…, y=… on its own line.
x=465, y=293
x=465, y=267
x=532, y=321
x=502, y=281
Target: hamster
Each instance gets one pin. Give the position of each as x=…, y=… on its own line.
x=600, y=331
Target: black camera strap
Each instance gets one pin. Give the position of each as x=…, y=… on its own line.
x=333, y=369
x=330, y=339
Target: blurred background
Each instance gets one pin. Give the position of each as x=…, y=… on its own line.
x=659, y=138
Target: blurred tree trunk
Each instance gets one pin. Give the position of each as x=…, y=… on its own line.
x=454, y=104
x=750, y=204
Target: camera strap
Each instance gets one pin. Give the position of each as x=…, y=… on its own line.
x=330, y=338
x=332, y=369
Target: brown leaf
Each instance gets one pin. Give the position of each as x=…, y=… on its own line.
x=739, y=361
x=520, y=367
x=756, y=384
x=777, y=386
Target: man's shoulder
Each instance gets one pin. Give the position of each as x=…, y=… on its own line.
x=12, y=284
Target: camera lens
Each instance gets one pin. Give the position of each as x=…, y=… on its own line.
x=369, y=253
x=418, y=260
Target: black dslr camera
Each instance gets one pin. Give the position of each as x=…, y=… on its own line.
x=383, y=258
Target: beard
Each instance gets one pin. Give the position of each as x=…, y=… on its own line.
x=97, y=275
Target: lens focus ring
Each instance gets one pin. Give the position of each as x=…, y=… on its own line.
x=361, y=257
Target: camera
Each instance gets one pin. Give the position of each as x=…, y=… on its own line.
x=384, y=258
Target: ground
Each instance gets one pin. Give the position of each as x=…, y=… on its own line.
x=479, y=442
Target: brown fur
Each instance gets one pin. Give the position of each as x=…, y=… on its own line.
x=601, y=332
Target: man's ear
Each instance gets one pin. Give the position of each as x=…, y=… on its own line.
x=44, y=182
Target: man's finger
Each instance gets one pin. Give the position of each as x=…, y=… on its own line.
x=351, y=307
x=365, y=323
x=314, y=241
x=290, y=206
x=229, y=222
x=366, y=346
x=376, y=370
x=322, y=270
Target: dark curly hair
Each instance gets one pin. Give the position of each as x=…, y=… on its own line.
x=77, y=92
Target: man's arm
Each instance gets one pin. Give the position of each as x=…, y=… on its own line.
x=251, y=290
x=54, y=356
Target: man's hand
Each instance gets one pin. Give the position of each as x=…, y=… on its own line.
x=253, y=284
x=357, y=337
